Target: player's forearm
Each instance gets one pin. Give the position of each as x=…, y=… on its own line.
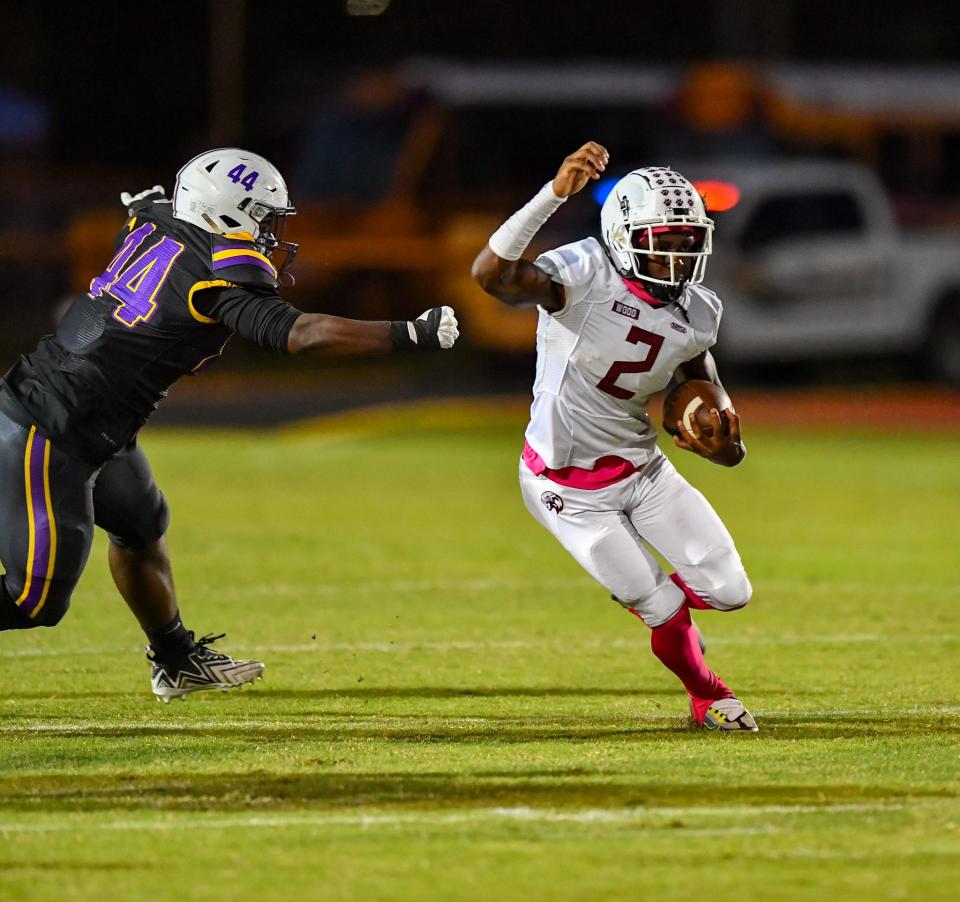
x=435, y=329
x=318, y=333
x=498, y=269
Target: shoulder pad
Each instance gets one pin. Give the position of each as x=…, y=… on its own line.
x=577, y=263
x=708, y=301
x=242, y=263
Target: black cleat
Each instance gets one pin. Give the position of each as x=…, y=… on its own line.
x=200, y=668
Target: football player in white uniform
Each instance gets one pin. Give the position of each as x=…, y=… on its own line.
x=618, y=322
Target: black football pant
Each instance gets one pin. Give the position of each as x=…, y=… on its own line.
x=49, y=504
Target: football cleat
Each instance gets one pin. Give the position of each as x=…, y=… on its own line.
x=730, y=715
x=198, y=669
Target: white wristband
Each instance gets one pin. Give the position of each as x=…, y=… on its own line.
x=511, y=239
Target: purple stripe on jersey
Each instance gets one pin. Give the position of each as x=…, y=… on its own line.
x=41, y=525
x=244, y=259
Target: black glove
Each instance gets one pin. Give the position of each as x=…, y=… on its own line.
x=433, y=330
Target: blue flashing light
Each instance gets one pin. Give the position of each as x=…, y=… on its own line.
x=603, y=188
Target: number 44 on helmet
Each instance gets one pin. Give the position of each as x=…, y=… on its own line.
x=234, y=192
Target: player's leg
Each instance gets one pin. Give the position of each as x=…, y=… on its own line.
x=679, y=522
x=596, y=530
x=46, y=527
x=593, y=528
x=130, y=507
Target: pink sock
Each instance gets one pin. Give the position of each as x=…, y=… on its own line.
x=675, y=644
x=693, y=600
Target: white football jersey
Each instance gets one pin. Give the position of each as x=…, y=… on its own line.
x=601, y=357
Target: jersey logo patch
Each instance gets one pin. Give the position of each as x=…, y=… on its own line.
x=552, y=501
x=626, y=310
x=679, y=328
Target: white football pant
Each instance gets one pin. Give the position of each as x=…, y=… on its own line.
x=606, y=530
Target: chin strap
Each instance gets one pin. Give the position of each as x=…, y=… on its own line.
x=678, y=299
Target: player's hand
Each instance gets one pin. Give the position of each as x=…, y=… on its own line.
x=581, y=166
x=723, y=446
x=433, y=330
x=156, y=193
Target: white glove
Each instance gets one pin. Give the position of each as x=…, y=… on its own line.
x=433, y=330
x=126, y=198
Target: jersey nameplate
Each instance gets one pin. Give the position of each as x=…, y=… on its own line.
x=626, y=310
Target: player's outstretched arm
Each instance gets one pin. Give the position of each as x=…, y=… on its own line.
x=724, y=446
x=317, y=333
x=498, y=269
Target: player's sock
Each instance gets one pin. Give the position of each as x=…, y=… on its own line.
x=11, y=617
x=693, y=600
x=675, y=644
x=172, y=639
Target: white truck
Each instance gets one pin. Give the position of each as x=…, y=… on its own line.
x=810, y=263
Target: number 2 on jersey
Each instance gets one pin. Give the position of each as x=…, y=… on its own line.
x=635, y=336
x=135, y=284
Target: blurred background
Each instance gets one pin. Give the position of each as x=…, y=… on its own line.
x=825, y=136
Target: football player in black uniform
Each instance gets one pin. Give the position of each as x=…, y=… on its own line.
x=186, y=276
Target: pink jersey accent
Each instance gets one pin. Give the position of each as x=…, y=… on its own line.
x=606, y=471
x=636, y=288
x=638, y=291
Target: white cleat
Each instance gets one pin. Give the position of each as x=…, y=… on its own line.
x=729, y=714
x=199, y=669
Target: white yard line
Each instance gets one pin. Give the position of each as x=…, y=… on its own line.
x=341, y=721
x=560, y=642
x=192, y=820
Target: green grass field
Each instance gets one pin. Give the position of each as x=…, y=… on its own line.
x=453, y=710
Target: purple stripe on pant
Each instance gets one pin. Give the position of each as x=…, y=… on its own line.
x=41, y=526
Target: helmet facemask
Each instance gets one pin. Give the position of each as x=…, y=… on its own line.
x=271, y=227
x=681, y=249
x=644, y=207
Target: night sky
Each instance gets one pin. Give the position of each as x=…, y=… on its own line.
x=127, y=82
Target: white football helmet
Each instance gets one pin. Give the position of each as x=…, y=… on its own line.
x=229, y=191
x=647, y=202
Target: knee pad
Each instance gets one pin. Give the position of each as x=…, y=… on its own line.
x=735, y=592
x=145, y=526
x=54, y=609
x=55, y=606
x=719, y=582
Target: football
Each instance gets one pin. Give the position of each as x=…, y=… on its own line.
x=693, y=400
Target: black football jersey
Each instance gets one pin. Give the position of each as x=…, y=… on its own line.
x=167, y=303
